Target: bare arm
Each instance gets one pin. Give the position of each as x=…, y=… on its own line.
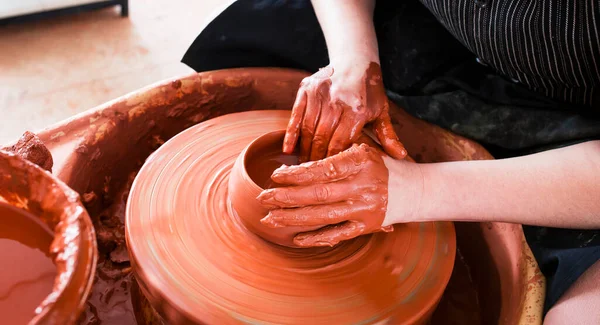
x=336, y=103
x=556, y=188
x=348, y=29
x=360, y=191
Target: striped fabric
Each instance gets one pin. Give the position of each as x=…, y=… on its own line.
x=551, y=46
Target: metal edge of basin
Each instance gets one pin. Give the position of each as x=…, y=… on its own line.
x=96, y=141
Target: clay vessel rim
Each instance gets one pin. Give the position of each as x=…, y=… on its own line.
x=73, y=215
x=248, y=149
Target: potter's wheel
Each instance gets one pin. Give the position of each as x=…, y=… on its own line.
x=196, y=263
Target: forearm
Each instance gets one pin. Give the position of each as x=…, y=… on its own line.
x=348, y=28
x=557, y=188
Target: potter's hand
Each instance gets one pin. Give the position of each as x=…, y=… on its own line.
x=347, y=193
x=332, y=107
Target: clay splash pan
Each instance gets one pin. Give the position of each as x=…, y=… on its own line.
x=47, y=246
x=98, y=154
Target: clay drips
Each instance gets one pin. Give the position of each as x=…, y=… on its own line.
x=25, y=186
x=197, y=263
x=326, y=121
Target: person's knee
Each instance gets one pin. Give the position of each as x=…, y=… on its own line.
x=581, y=303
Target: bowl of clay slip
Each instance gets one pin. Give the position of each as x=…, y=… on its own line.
x=250, y=175
x=50, y=246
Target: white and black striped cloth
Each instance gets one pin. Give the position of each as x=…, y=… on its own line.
x=551, y=46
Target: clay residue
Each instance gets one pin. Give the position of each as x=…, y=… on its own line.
x=110, y=299
x=31, y=148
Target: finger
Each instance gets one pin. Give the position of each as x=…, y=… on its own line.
x=347, y=131
x=330, y=169
x=315, y=215
x=300, y=196
x=389, y=228
x=328, y=121
x=309, y=123
x=387, y=137
x=331, y=235
x=292, y=131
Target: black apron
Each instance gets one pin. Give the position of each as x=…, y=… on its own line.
x=432, y=76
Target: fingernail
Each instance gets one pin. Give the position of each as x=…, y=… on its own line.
x=389, y=228
x=265, y=196
x=276, y=174
x=279, y=172
x=305, y=241
x=302, y=243
x=270, y=221
x=319, y=244
x=324, y=243
x=280, y=168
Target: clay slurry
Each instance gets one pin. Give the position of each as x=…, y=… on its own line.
x=26, y=269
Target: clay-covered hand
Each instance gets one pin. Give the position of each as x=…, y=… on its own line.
x=346, y=193
x=332, y=107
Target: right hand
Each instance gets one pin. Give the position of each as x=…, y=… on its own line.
x=346, y=195
x=332, y=107
x=357, y=192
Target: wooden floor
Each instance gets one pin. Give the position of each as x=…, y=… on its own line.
x=54, y=68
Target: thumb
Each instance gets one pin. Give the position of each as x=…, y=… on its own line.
x=387, y=136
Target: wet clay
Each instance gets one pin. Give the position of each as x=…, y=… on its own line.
x=31, y=148
x=27, y=272
x=196, y=263
x=326, y=122
x=110, y=300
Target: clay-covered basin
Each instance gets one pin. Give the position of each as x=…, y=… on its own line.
x=495, y=280
x=48, y=246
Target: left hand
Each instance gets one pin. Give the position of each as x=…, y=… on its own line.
x=347, y=193
x=334, y=105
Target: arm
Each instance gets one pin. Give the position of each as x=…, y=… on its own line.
x=556, y=188
x=359, y=191
x=334, y=105
x=348, y=29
